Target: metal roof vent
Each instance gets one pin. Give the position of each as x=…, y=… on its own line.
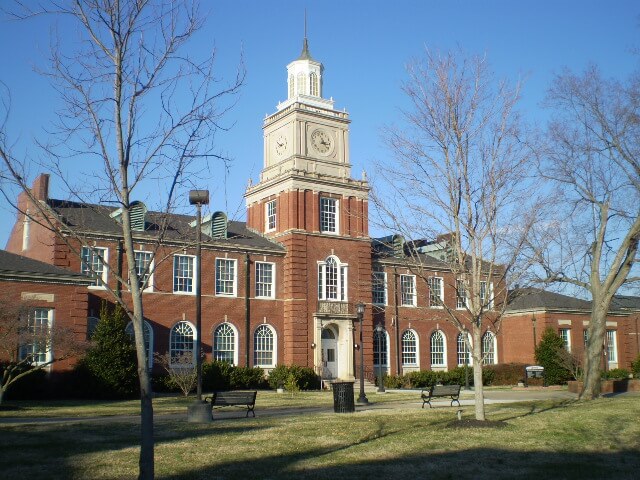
x=214, y=225
x=137, y=216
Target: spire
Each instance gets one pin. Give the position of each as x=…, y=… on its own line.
x=305, y=55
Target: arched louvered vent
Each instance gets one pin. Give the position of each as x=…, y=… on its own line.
x=218, y=225
x=138, y=214
x=398, y=245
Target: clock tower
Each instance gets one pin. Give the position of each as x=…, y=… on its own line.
x=307, y=201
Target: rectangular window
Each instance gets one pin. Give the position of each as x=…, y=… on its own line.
x=270, y=215
x=565, y=334
x=436, y=291
x=94, y=260
x=408, y=290
x=379, y=287
x=461, y=295
x=144, y=266
x=486, y=295
x=265, y=280
x=225, y=276
x=328, y=215
x=585, y=336
x=183, y=274
x=35, y=345
x=612, y=346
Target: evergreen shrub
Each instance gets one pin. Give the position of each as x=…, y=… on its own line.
x=550, y=354
x=506, y=373
x=616, y=374
x=635, y=367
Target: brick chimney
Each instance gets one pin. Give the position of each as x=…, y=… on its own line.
x=40, y=187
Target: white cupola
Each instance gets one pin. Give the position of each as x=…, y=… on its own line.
x=304, y=81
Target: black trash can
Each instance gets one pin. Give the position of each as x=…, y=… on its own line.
x=343, y=397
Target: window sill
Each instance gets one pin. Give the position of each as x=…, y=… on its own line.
x=264, y=298
x=96, y=287
x=184, y=293
x=226, y=295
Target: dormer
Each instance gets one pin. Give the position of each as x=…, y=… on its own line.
x=137, y=214
x=213, y=225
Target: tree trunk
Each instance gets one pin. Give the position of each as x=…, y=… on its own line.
x=594, y=352
x=477, y=374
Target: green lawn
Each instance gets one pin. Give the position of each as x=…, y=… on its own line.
x=573, y=440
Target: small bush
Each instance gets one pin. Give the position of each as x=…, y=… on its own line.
x=395, y=381
x=428, y=378
x=304, y=377
x=216, y=376
x=33, y=386
x=247, y=377
x=635, y=367
x=616, y=374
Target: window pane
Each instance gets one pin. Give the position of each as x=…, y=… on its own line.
x=143, y=267
x=35, y=345
x=461, y=294
x=225, y=276
x=224, y=343
x=271, y=215
x=263, y=346
x=379, y=291
x=91, y=265
x=463, y=351
x=379, y=348
x=409, y=348
x=264, y=280
x=147, y=339
x=488, y=348
x=181, y=342
x=437, y=348
x=612, y=346
x=328, y=214
x=182, y=274
x=408, y=290
x=435, y=291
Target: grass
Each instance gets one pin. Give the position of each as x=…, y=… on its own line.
x=545, y=439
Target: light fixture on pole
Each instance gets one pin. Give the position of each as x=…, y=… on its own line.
x=362, y=398
x=381, y=354
x=199, y=411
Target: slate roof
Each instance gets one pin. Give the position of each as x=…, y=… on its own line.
x=96, y=219
x=19, y=268
x=537, y=299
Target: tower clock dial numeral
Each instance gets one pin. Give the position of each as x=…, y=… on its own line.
x=321, y=142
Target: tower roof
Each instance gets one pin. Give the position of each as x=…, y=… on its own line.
x=305, y=55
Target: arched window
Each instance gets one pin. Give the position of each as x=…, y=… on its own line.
x=409, y=348
x=148, y=340
x=464, y=355
x=264, y=347
x=438, y=349
x=332, y=280
x=292, y=86
x=489, y=349
x=380, y=348
x=302, y=84
x=313, y=81
x=182, y=343
x=224, y=344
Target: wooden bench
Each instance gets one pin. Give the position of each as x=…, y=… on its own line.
x=451, y=391
x=234, y=399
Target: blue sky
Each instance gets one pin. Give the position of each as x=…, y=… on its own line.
x=364, y=46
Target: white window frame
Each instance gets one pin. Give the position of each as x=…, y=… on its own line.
x=215, y=352
x=194, y=266
x=148, y=340
x=494, y=347
x=379, y=282
x=326, y=214
x=149, y=287
x=467, y=349
x=565, y=334
x=261, y=349
x=272, y=284
x=233, y=281
x=404, y=354
x=442, y=353
x=483, y=292
x=101, y=278
x=462, y=301
x=612, y=346
x=406, y=294
x=439, y=295
x=194, y=335
x=28, y=348
x=342, y=280
x=270, y=216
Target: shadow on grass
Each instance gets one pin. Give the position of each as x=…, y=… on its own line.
x=474, y=464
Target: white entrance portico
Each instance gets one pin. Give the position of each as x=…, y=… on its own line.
x=333, y=333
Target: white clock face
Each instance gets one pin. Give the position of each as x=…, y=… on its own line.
x=281, y=145
x=322, y=142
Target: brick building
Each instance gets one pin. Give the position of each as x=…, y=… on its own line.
x=281, y=288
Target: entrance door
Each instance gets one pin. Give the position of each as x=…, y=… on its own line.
x=329, y=354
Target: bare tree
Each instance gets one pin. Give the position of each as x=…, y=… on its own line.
x=461, y=167
x=590, y=238
x=139, y=111
x=26, y=341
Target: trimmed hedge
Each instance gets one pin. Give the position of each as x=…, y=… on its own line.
x=220, y=376
x=635, y=367
x=304, y=378
x=428, y=378
x=507, y=373
x=616, y=374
